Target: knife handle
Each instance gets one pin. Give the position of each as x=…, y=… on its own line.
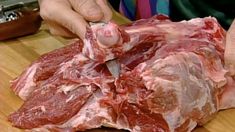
x=29, y=22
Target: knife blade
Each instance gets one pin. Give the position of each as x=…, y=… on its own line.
x=113, y=67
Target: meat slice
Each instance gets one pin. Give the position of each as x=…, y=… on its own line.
x=43, y=68
x=172, y=79
x=45, y=108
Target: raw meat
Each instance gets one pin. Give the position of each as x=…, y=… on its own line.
x=172, y=79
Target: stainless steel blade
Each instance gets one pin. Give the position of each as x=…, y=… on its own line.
x=114, y=67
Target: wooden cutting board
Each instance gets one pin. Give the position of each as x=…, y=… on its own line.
x=17, y=54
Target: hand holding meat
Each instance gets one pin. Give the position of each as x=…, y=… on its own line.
x=69, y=18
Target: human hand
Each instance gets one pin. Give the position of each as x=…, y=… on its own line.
x=69, y=18
x=229, y=54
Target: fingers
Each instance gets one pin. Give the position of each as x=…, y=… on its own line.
x=72, y=21
x=232, y=27
x=89, y=9
x=62, y=14
x=229, y=54
x=69, y=17
x=58, y=30
x=105, y=9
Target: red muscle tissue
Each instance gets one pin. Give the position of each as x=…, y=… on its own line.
x=172, y=79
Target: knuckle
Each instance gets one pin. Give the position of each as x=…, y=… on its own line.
x=88, y=9
x=46, y=10
x=43, y=9
x=78, y=4
x=94, y=15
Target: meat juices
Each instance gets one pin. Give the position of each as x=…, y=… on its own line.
x=172, y=79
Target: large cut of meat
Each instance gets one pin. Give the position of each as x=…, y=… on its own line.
x=172, y=78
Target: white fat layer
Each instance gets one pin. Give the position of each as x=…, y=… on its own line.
x=141, y=29
x=87, y=48
x=141, y=67
x=136, y=129
x=41, y=108
x=192, y=125
x=69, y=99
x=129, y=45
x=76, y=59
x=173, y=119
x=80, y=57
x=29, y=83
x=109, y=55
x=67, y=88
x=116, y=126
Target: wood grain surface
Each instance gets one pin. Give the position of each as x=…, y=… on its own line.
x=17, y=54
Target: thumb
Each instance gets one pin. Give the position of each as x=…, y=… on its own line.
x=229, y=54
x=62, y=14
x=89, y=9
x=105, y=9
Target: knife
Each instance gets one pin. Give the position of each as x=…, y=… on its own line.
x=113, y=67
